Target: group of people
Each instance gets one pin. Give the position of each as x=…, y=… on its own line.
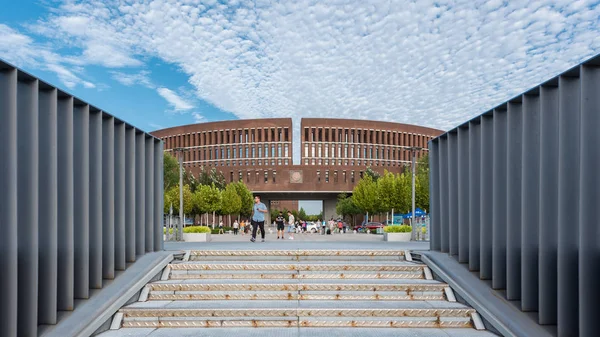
x=258, y=223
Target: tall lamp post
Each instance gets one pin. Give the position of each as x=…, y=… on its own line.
x=180, y=151
x=413, y=151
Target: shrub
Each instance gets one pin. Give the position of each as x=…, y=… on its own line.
x=397, y=229
x=170, y=230
x=196, y=229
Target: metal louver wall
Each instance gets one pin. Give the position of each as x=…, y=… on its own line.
x=528, y=198
x=68, y=200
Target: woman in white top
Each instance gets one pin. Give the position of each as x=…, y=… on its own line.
x=292, y=225
x=236, y=227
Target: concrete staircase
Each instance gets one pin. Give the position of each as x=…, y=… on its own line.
x=312, y=289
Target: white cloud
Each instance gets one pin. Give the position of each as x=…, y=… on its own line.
x=430, y=63
x=198, y=118
x=21, y=50
x=177, y=102
x=141, y=78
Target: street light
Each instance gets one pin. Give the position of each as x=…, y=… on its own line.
x=180, y=151
x=413, y=151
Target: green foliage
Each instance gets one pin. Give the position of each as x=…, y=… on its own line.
x=373, y=174
x=422, y=183
x=231, y=203
x=346, y=207
x=246, y=198
x=196, y=229
x=209, y=198
x=171, y=230
x=212, y=177
x=172, y=196
x=386, y=191
x=402, y=192
x=302, y=214
x=365, y=195
x=171, y=172
x=397, y=229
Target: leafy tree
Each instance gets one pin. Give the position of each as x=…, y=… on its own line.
x=170, y=172
x=422, y=183
x=172, y=196
x=231, y=203
x=402, y=192
x=373, y=174
x=209, y=200
x=302, y=214
x=346, y=207
x=246, y=198
x=386, y=186
x=365, y=195
x=212, y=177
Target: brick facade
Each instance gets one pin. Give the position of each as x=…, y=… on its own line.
x=334, y=152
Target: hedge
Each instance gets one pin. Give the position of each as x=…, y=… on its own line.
x=397, y=229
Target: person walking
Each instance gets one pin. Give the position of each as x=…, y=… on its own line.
x=280, y=221
x=292, y=224
x=236, y=227
x=258, y=218
x=221, y=227
x=243, y=227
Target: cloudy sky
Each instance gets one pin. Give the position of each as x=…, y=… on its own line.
x=170, y=62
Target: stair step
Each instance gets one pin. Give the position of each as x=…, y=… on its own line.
x=251, y=306
x=295, y=332
x=293, y=275
x=410, y=287
x=295, y=295
x=297, y=255
x=237, y=322
x=294, y=267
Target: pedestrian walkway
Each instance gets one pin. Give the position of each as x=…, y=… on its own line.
x=296, y=292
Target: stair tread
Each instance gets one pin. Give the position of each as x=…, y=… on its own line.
x=298, y=281
x=296, y=332
x=283, y=304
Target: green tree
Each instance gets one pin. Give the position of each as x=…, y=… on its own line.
x=402, y=192
x=422, y=183
x=386, y=186
x=210, y=177
x=302, y=214
x=245, y=197
x=365, y=195
x=209, y=200
x=373, y=174
x=172, y=196
x=231, y=203
x=346, y=207
x=170, y=172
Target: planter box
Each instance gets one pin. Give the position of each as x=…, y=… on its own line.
x=196, y=237
x=402, y=237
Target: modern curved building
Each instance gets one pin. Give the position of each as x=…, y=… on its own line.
x=334, y=153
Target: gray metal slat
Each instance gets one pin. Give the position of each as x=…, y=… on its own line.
x=48, y=207
x=530, y=189
x=474, y=195
x=548, y=221
x=95, y=200
x=81, y=198
x=66, y=210
x=27, y=205
x=513, y=200
x=499, y=199
x=568, y=204
x=8, y=203
x=108, y=197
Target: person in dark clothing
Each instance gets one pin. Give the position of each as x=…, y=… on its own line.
x=280, y=225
